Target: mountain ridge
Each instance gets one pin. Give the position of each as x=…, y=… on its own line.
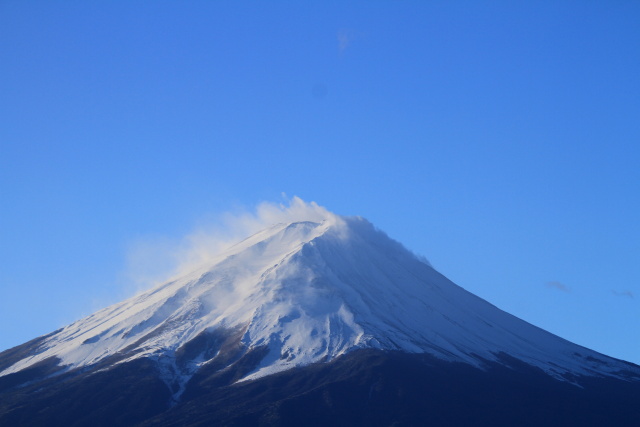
x=311, y=291
x=325, y=321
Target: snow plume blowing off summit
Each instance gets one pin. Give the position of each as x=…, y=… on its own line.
x=306, y=286
x=152, y=261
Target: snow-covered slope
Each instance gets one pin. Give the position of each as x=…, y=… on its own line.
x=310, y=291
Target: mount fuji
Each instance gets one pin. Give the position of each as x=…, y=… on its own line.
x=317, y=320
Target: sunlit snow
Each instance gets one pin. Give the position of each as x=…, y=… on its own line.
x=310, y=291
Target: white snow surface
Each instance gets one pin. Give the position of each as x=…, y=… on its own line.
x=312, y=291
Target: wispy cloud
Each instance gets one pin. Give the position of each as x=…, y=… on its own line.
x=155, y=259
x=558, y=285
x=625, y=293
x=345, y=38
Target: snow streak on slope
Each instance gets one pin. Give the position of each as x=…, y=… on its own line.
x=310, y=291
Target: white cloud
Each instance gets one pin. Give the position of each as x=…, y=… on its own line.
x=345, y=38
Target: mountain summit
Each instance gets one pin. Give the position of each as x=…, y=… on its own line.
x=294, y=295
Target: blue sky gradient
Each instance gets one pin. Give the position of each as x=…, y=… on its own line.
x=501, y=140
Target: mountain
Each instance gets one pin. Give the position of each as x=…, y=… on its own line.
x=319, y=322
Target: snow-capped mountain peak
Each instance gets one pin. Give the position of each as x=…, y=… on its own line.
x=305, y=292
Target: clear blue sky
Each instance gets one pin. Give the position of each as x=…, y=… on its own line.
x=499, y=139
